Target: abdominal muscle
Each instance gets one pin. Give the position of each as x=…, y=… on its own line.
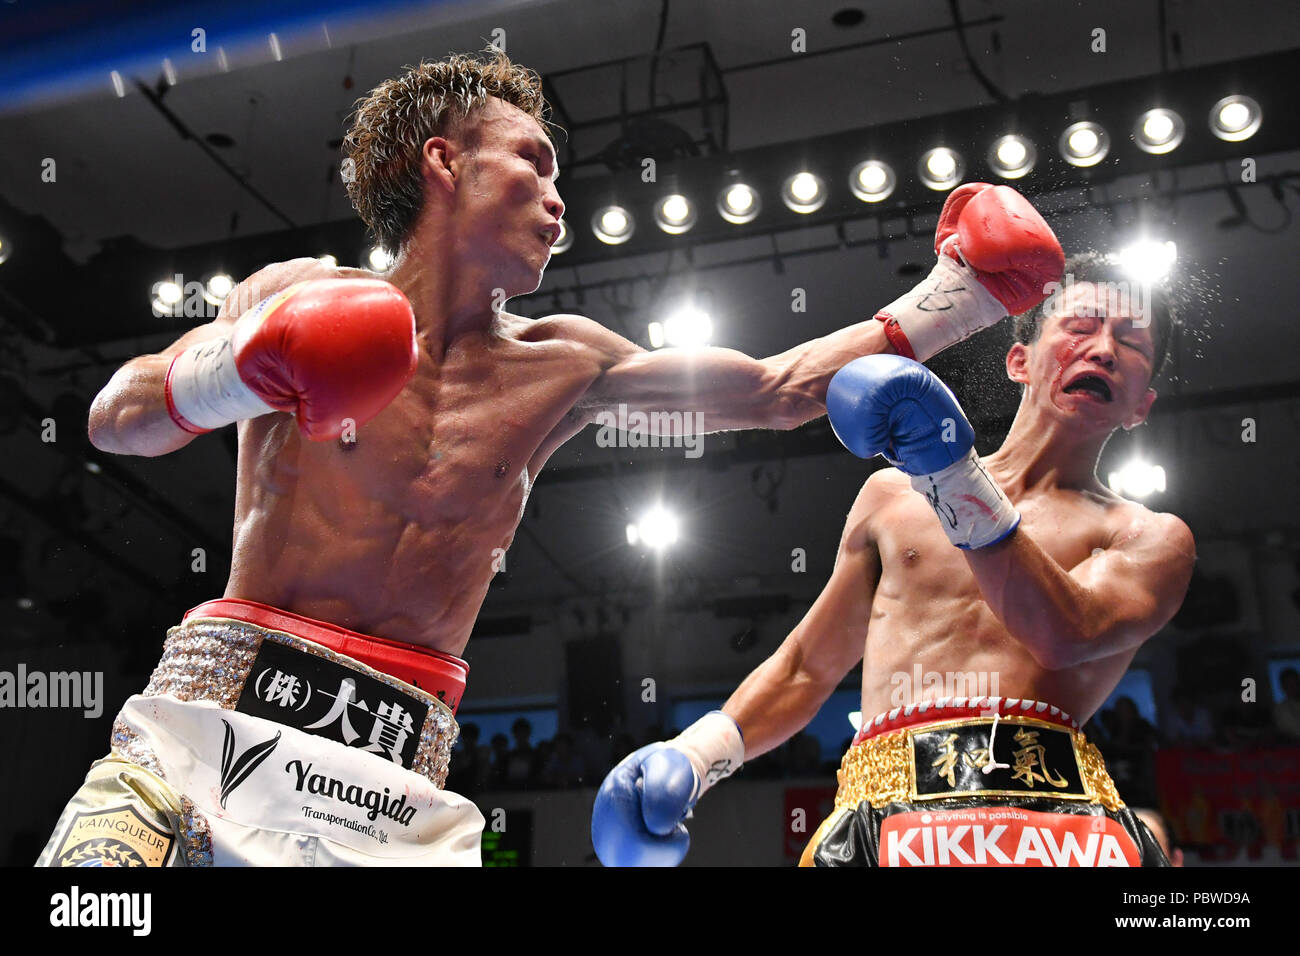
x=380, y=538
x=932, y=635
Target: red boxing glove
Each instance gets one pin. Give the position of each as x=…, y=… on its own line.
x=996, y=258
x=329, y=352
x=995, y=231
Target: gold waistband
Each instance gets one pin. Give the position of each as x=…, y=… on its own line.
x=212, y=658
x=879, y=770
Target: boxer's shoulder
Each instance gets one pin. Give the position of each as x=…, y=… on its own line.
x=578, y=335
x=278, y=276
x=563, y=326
x=885, y=483
x=886, y=501
x=301, y=269
x=1156, y=529
x=876, y=508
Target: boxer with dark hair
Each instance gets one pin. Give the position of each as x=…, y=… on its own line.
x=1021, y=566
x=1162, y=833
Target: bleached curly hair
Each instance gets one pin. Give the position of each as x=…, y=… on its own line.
x=392, y=122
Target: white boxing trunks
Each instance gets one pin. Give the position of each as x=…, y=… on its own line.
x=259, y=742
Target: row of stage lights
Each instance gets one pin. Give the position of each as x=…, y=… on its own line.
x=1012, y=156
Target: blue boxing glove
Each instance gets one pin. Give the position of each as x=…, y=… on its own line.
x=892, y=406
x=641, y=808
x=638, y=819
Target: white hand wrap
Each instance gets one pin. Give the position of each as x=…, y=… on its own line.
x=949, y=305
x=714, y=746
x=204, y=387
x=971, y=507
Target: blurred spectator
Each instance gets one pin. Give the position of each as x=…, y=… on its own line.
x=769, y=766
x=805, y=756
x=1245, y=724
x=593, y=751
x=564, y=766
x=500, y=761
x=469, y=762
x=520, y=769
x=1163, y=833
x=541, y=757
x=1189, y=724
x=1286, y=712
x=1096, y=729
x=1130, y=751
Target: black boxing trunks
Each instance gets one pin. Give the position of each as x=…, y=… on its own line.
x=265, y=738
x=978, y=782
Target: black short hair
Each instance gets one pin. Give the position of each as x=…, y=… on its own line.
x=1161, y=819
x=1094, y=266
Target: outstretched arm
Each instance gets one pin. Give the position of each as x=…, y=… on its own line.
x=784, y=693
x=995, y=257
x=725, y=388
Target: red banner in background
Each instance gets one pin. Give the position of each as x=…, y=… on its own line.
x=1229, y=804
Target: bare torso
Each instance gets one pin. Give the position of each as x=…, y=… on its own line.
x=399, y=534
x=932, y=635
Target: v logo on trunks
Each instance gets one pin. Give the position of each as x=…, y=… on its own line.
x=234, y=772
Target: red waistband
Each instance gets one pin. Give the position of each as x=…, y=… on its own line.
x=432, y=671
x=961, y=708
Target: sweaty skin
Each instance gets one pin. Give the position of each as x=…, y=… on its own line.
x=1056, y=612
x=398, y=534
x=928, y=608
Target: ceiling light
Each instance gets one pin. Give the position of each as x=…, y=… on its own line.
x=872, y=181
x=804, y=192
x=1158, y=131
x=739, y=203
x=941, y=168
x=613, y=225
x=1084, y=144
x=675, y=214
x=1012, y=156
x=1235, y=118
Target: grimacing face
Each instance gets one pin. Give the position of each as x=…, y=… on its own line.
x=1093, y=359
x=508, y=209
